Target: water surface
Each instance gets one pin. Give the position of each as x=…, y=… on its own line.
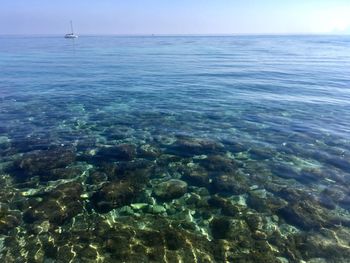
x=175, y=149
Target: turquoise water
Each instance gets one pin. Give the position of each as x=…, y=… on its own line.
x=175, y=149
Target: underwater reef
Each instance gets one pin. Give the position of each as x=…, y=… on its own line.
x=167, y=199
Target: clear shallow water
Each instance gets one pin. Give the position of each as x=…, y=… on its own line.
x=153, y=149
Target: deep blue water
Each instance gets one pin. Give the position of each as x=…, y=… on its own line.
x=248, y=136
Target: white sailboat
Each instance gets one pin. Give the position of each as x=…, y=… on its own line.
x=71, y=35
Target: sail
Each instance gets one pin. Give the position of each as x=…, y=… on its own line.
x=71, y=35
x=71, y=27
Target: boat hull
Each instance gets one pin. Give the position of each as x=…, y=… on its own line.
x=70, y=36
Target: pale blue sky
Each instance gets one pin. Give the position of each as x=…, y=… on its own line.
x=175, y=16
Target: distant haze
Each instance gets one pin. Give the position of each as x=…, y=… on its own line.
x=175, y=16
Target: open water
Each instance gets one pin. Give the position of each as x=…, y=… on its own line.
x=175, y=149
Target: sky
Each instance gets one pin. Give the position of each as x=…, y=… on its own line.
x=175, y=16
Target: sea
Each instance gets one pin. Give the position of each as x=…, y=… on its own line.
x=175, y=149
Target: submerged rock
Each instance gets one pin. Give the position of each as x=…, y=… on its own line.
x=117, y=132
x=302, y=215
x=308, y=215
x=122, y=152
x=57, y=206
x=173, y=240
x=261, y=153
x=285, y=171
x=188, y=147
x=230, y=183
x=126, y=186
x=329, y=245
x=235, y=146
x=219, y=164
x=220, y=227
x=4, y=142
x=61, y=173
x=42, y=162
x=227, y=208
x=171, y=189
x=156, y=209
x=345, y=202
x=8, y=220
x=139, y=206
x=254, y=221
x=126, y=210
x=326, y=202
x=305, y=176
x=339, y=162
x=266, y=204
x=137, y=169
x=197, y=177
x=113, y=195
x=311, y=175
x=96, y=178
x=148, y=152
x=24, y=145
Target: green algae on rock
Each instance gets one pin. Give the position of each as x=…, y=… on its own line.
x=170, y=189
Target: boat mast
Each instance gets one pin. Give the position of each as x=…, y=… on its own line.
x=71, y=26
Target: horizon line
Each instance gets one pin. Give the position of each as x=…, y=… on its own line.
x=175, y=34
